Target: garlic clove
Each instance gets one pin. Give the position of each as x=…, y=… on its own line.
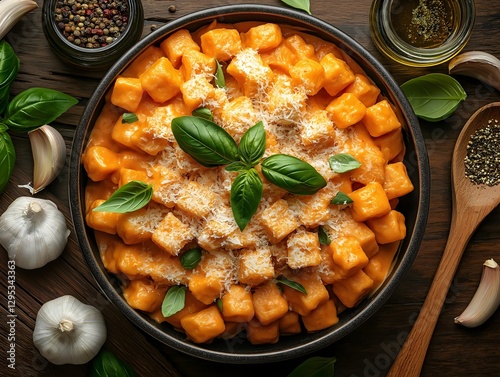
x=49, y=155
x=11, y=11
x=479, y=65
x=486, y=299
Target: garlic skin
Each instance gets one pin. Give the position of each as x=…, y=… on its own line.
x=12, y=11
x=479, y=65
x=33, y=231
x=68, y=331
x=49, y=155
x=486, y=299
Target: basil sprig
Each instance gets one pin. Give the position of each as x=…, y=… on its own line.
x=7, y=159
x=435, y=96
x=292, y=174
x=246, y=193
x=130, y=197
x=343, y=162
x=174, y=300
x=209, y=144
x=35, y=107
x=107, y=364
x=253, y=144
x=316, y=366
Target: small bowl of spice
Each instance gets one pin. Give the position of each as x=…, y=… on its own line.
x=421, y=33
x=92, y=34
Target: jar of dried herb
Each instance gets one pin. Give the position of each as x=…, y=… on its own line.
x=92, y=34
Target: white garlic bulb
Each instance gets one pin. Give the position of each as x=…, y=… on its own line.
x=68, y=331
x=33, y=231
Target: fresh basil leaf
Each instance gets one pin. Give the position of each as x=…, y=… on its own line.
x=219, y=304
x=3, y=127
x=107, y=364
x=203, y=112
x=246, y=192
x=209, y=144
x=4, y=98
x=9, y=64
x=220, y=81
x=253, y=144
x=190, y=258
x=35, y=107
x=292, y=284
x=7, y=159
x=299, y=4
x=130, y=197
x=292, y=174
x=237, y=166
x=129, y=118
x=174, y=300
x=343, y=162
x=341, y=198
x=324, y=238
x=315, y=366
x=434, y=96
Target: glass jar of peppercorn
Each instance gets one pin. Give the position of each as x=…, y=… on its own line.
x=92, y=34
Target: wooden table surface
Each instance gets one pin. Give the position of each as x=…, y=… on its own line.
x=370, y=349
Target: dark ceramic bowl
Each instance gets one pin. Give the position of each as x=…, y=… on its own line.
x=415, y=206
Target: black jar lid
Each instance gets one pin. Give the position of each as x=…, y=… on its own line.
x=95, y=58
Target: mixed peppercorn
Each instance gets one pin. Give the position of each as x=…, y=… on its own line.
x=92, y=23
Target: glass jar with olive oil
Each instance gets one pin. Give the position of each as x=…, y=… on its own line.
x=421, y=33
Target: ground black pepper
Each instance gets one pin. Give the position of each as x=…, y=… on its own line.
x=92, y=23
x=482, y=161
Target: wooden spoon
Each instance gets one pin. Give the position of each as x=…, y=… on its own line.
x=471, y=204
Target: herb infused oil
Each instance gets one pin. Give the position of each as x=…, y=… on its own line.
x=423, y=23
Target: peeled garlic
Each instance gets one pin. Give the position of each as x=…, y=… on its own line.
x=33, y=231
x=479, y=65
x=12, y=11
x=486, y=299
x=68, y=331
x=49, y=155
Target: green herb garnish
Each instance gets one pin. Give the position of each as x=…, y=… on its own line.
x=190, y=258
x=7, y=159
x=316, y=366
x=299, y=4
x=341, y=199
x=292, y=284
x=130, y=197
x=174, y=300
x=343, y=162
x=434, y=96
x=292, y=174
x=246, y=193
x=129, y=118
x=220, y=81
x=203, y=112
x=324, y=238
x=253, y=144
x=208, y=143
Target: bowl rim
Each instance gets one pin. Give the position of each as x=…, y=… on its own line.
x=258, y=354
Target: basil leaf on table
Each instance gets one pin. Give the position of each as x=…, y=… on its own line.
x=4, y=98
x=315, y=366
x=174, y=300
x=246, y=193
x=9, y=64
x=35, y=107
x=292, y=174
x=343, y=162
x=7, y=159
x=434, y=96
x=107, y=364
x=253, y=144
x=209, y=144
x=190, y=258
x=292, y=284
x=299, y=4
x=130, y=197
